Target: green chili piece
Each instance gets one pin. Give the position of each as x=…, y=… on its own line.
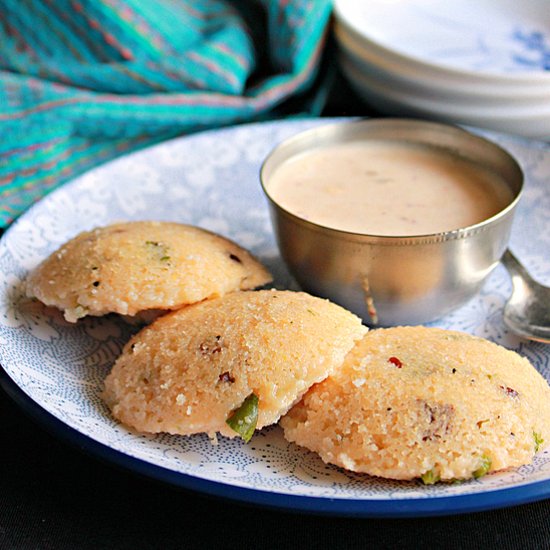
x=244, y=419
x=430, y=477
x=483, y=468
x=538, y=441
x=159, y=249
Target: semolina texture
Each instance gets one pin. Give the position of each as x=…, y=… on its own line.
x=132, y=267
x=191, y=369
x=423, y=402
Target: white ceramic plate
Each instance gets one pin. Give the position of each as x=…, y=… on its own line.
x=55, y=370
x=456, y=87
x=531, y=120
x=500, y=38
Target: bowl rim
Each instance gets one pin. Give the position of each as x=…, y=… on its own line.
x=399, y=240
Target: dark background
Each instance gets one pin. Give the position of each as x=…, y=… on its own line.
x=54, y=496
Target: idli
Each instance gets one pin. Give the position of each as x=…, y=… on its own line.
x=133, y=267
x=418, y=402
x=229, y=365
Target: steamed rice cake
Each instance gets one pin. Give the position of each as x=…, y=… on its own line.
x=423, y=402
x=190, y=370
x=132, y=267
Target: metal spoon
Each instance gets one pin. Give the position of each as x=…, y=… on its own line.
x=527, y=312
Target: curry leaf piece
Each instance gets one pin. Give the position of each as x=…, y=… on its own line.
x=244, y=419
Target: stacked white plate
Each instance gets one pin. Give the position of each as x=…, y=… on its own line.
x=483, y=63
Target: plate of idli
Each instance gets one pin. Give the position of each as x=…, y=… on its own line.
x=147, y=316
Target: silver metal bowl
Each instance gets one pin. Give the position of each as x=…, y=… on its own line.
x=394, y=280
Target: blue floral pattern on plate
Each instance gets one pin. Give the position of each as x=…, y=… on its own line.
x=211, y=180
x=535, y=49
x=493, y=36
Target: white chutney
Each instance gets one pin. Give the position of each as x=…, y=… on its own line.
x=388, y=188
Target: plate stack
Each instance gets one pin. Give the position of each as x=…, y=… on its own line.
x=483, y=63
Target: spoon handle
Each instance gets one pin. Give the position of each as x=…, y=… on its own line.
x=513, y=266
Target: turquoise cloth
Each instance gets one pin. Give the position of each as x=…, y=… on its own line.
x=82, y=81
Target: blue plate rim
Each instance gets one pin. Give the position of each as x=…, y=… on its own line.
x=366, y=508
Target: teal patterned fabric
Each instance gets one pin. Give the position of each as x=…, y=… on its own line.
x=82, y=81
